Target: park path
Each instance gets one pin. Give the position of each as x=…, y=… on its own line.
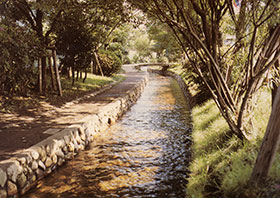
x=25, y=131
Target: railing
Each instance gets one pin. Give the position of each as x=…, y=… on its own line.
x=139, y=65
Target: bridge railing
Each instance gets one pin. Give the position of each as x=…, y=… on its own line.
x=139, y=65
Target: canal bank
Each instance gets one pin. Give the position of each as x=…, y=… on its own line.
x=145, y=154
x=19, y=173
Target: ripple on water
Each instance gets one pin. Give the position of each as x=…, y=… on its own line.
x=144, y=155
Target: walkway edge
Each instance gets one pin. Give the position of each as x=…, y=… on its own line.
x=20, y=173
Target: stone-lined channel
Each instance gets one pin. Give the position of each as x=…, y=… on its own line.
x=145, y=154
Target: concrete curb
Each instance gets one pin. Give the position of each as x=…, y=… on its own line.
x=20, y=173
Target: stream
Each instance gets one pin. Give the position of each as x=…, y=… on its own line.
x=145, y=154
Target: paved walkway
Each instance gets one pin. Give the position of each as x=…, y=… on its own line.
x=54, y=120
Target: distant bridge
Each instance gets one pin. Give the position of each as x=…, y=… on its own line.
x=139, y=65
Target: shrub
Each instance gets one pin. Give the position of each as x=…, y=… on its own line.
x=109, y=62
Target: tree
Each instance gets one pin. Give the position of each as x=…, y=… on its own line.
x=164, y=42
x=41, y=17
x=74, y=41
x=92, y=23
x=269, y=145
x=142, y=45
x=104, y=17
x=231, y=76
x=19, y=49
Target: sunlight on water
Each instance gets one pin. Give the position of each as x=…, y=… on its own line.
x=144, y=155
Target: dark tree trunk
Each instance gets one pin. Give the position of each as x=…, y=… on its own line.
x=269, y=145
x=73, y=76
x=85, y=76
x=274, y=86
x=273, y=93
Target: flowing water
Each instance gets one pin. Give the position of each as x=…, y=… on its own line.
x=145, y=154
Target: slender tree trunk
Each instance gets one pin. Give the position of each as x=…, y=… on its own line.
x=69, y=72
x=85, y=76
x=91, y=67
x=77, y=76
x=52, y=72
x=269, y=145
x=98, y=63
x=73, y=76
x=44, y=74
x=274, y=86
x=40, y=79
x=59, y=89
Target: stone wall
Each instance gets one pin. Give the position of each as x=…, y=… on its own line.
x=181, y=84
x=19, y=174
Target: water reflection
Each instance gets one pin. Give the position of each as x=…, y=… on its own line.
x=143, y=155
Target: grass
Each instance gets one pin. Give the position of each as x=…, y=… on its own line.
x=80, y=88
x=93, y=82
x=222, y=165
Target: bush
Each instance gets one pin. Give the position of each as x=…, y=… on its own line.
x=109, y=62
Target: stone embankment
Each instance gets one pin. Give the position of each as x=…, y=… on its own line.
x=20, y=173
x=181, y=84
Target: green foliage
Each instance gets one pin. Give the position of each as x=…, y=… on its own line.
x=75, y=47
x=142, y=46
x=18, y=52
x=110, y=62
x=164, y=42
x=222, y=165
x=76, y=28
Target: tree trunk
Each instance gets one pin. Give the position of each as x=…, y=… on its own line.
x=44, y=75
x=91, y=66
x=52, y=73
x=98, y=63
x=40, y=83
x=269, y=145
x=85, y=76
x=73, y=76
x=59, y=89
x=77, y=77
x=274, y=86
x=273, y=93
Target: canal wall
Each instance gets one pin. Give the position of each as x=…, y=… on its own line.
x=21, y=172
x=181, y=83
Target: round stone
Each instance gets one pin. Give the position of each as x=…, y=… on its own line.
x=3, y=178
x=35, y=155
x=34, y=165
x=42, y=165
x=48, y=162
x=14, y=170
